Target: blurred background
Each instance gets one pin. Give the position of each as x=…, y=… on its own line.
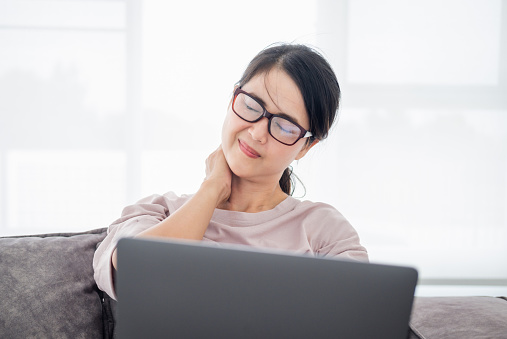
x=100, y=106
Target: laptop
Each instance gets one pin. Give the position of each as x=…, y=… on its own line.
x=173, y=289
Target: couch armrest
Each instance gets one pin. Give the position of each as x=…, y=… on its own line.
x=458, y=317
x=47, y=288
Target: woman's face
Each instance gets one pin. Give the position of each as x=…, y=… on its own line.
x=251, y=152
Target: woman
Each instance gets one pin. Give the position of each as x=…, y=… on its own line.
x=284, y=104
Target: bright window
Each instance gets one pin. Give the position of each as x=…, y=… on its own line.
x=99, y=107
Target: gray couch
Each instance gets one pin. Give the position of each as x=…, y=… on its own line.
x=47, y=291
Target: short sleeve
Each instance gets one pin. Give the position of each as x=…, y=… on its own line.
x=135, y=219
x=331, y=234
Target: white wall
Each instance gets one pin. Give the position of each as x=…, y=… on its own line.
x=99, y=106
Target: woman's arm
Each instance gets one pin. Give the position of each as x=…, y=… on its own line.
x=191, y=220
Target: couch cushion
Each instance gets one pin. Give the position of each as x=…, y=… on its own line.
x=47, y=288
x=459, y=317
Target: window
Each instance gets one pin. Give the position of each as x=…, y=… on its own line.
x=63, y=115
x=417, y=163
x=420, y=152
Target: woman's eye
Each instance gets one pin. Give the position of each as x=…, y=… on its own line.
x=250, y=108
x=285, y=129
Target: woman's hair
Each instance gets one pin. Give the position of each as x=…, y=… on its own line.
x=316, y=81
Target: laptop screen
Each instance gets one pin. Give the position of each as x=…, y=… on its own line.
x=193, y=290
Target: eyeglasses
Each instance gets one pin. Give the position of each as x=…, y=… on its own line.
x=279, y=127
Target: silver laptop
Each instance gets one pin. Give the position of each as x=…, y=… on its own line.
x=170, y=289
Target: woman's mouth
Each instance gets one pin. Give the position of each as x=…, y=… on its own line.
x=250, y=152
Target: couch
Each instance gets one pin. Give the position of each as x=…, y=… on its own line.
x=47, y=290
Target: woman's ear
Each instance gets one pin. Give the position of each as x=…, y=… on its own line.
x=306, y=148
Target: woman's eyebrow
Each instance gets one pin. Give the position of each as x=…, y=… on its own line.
x=284, y=115
x=288, y=117
x=258, y=99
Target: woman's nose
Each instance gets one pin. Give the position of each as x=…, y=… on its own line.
x=259, y=130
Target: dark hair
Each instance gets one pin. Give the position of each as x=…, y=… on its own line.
x=316, y=81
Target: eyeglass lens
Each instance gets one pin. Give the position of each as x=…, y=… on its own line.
x=280, y=128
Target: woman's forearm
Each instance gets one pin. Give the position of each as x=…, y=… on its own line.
x=190, y=221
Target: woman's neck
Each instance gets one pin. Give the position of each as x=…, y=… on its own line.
x=251, y=197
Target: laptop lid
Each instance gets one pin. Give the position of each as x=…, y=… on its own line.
x=170, y=289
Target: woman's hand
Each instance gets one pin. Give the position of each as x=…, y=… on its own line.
x=191, y=220
x=218, y=175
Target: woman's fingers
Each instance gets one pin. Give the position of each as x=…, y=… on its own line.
x=217, y=164
x=210, y=161
x=219, y=174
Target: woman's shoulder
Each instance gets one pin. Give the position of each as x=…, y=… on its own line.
x=171, y=200
x=168, y=197
x=316, y=208
x=174, y=197
x=167, y=202
x=321, y=216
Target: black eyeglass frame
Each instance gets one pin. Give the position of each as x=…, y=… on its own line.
x=304, y=133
